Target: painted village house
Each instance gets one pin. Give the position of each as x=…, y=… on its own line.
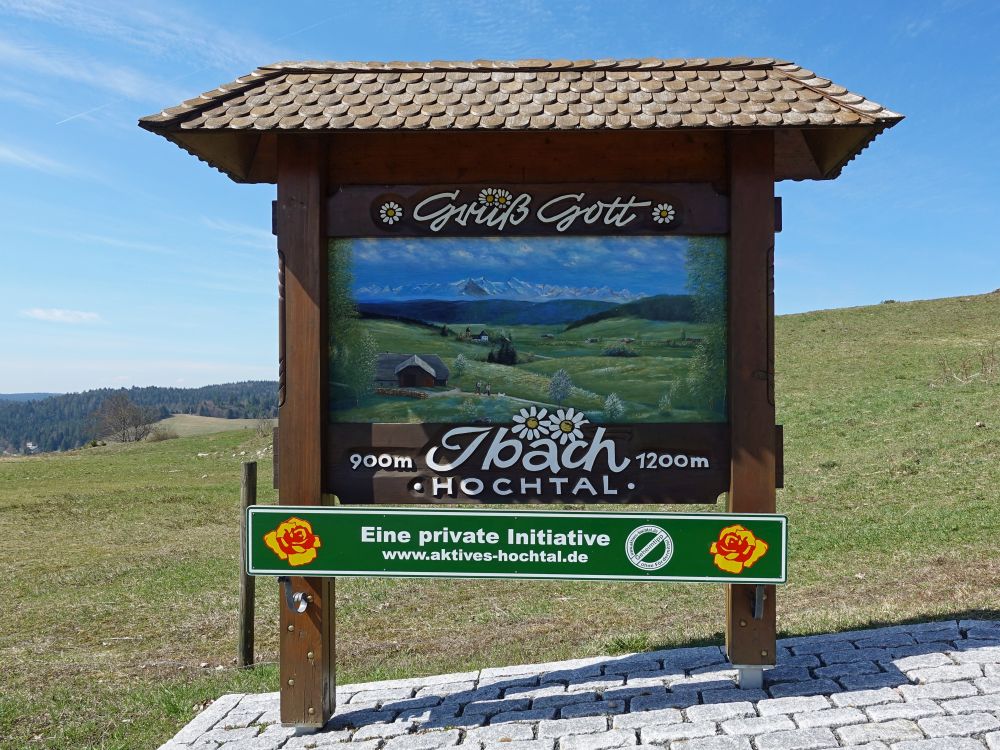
x=410, y=371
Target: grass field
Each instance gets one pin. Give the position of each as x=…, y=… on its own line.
x=186, y=425
x=120, y=563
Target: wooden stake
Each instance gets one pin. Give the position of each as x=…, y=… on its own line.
x=248, y=497
x=751, y=641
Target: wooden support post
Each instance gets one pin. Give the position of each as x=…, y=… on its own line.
x=751, y=641
x=307, y=638
x=248, y=497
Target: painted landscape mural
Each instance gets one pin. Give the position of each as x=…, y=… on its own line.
x=448, y=329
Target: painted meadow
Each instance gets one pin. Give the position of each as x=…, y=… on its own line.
x=459, y=330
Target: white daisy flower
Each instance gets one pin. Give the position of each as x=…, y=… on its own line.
x=528, y=425
x=488, y=196
x=566, y=423
x=390, y=212
x=663, y=213
x=503, y=197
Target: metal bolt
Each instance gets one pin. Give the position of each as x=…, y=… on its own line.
x=291, y=628
x=743, y=623
x=310, y=655
x=291, y=683
x=311, y=710
x=309, y=598
x=763, y=653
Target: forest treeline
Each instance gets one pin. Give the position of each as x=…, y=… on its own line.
x=63, y=422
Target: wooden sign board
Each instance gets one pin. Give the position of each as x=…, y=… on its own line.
x=527, y=343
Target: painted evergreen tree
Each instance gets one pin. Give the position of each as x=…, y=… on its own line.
x=707, y=278
x=353, y=350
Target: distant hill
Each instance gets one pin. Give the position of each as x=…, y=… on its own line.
x=62, y=422
x=25, y=396
x=481, y=288
x=493, y=312
x=678, y=307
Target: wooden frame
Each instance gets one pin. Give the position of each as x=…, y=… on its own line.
x=741, y=164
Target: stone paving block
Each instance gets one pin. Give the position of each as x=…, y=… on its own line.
x=702, y=682
x=664, y=733
x=988, y=684
x=906, y=710
x=993, y=740
x=973, y=704
x=798, y=739
x=322, y=741
x=598, y=741
x=579, y=674
x=735, y=695
x=988, y=655
x=787, y=659
x=716, y=712
x=509, y=681
x=664, y=700
x=383, y=731
x=824, y=644
x=920, y=661
x=563, y=699
x=894, y=731
x=936, y=647
x=861, y=654
x=647, y=718
x=426, y=741
x=626, y=692
x=381, y=696
x=755, y=725
x=960, y=725
x=873, y=681
x=627, y=666
x=858, y=698
x=566, y=727
x=498, y=733
x=220, y=735
x=946, y=743
x=491, y=707
x=937, y=690
x=208, y=718
x=866, y=746
x=521, y=745
x=242, y=717
x=532, y=714
x=830, y=717
x=991, y=670
x=833, y=671
x=534, y=691
x=446, y=689
x=813, y=687
x=714, y=743
x=792, y=705
x=690, y=658
x=786, y=673
x=597, y=708
x=886, y=640
x=946, y=674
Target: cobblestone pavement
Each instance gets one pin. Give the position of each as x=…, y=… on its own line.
x=906, y=687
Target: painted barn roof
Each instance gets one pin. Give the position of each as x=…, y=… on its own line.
x=391, y=363
x=226, y=126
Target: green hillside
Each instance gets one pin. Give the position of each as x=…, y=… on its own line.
x=121, y=580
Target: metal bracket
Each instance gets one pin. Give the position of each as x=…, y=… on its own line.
x=296, y=601
x=758, y=597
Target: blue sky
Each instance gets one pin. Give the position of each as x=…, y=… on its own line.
x=126, y=261
x=621, y=263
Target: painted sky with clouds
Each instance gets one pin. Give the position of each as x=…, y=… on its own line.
x=125, y=261
x=643, y=265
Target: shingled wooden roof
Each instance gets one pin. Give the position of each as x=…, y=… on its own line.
x=556, y=95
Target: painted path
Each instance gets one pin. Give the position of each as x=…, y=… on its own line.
x=931, y=686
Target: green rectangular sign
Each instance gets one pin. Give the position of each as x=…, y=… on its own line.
x=400, y=542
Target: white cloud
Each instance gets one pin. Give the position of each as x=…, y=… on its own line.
x=162, y=29
x=242, y=234
x=59, y=315
x=18, y=156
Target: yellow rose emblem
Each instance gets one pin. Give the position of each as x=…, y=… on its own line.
x=737, y=548
x=294, y=541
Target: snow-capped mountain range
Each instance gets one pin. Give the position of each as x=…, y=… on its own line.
x=483, y=288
